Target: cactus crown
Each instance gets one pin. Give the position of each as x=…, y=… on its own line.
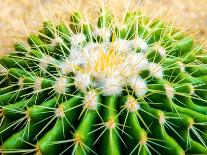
x=138, y=87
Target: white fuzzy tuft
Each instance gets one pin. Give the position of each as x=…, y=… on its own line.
x=112, y=86
x=162, y=119
x=92, y=47
x=77, y=58
x=182, y=66
x=37, y=84
x=131, y=104
x=21, y=82
x=110, y=124
x=66, y=67
x=156, y=70
x=192, y=90
x=45, y=61
x=136, y=62
x=57, y=40
x=104, y=33
x=92, y=52
x=60, y=85
x=139, y=86
x=91, y=100
x=59, y=112
x=123, y=45
x=169, y=91
x=161, y=50
x=82, y=81
x=140, y=43
x=3, y=70
x=77, y=40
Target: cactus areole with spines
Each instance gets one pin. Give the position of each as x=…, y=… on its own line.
x=135, y=87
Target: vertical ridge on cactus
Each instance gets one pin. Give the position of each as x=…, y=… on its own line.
x=136, y=87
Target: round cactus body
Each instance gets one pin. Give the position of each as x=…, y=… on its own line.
x=135, y=87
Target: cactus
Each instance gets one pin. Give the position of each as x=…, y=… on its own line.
x=135, y=87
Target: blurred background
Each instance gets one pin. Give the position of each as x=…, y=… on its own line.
x=18, y=16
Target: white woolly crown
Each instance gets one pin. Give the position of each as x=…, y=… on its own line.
x=109, y=66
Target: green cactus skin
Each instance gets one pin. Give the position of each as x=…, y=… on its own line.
x=139, y=87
